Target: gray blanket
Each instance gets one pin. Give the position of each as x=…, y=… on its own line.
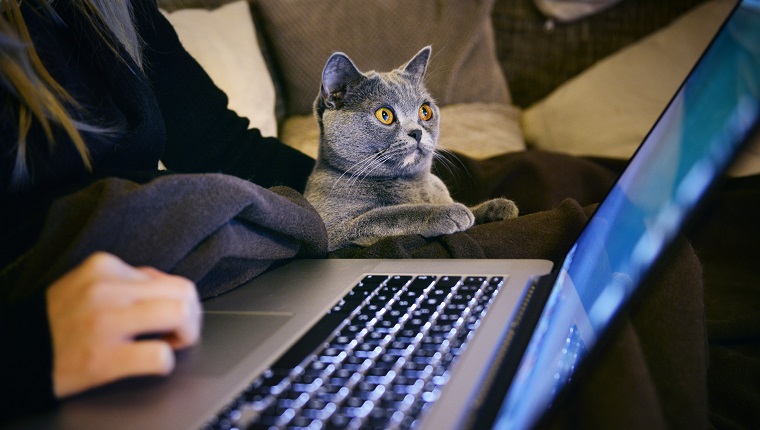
x=216, y=230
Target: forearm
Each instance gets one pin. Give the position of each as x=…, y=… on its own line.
x=202, y=134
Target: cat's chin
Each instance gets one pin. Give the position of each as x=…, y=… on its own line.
x=415, y=164
x=417, y=157
x=411, y=159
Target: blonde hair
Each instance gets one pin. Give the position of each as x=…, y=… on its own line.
x=33, y=93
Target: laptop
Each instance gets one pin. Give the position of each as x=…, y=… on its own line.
x=426, y=344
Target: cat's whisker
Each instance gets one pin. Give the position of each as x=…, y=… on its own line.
x=370, y=161
x=337, y=181
x=366, y=164
x=445, y=157
x=377, y=160
x=448, y=162
x=388, y=154
x=378, y=164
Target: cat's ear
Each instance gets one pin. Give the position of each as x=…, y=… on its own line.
x=416, y=66
x=339, y=71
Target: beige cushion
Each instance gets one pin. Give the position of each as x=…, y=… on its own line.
x=383, y=35
x=302, y=133
x=480, y=130
x=609, y=109
x=224, y=42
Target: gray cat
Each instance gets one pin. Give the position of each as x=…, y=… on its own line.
x=378, y=134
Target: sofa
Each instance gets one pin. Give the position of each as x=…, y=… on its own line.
x=515, y=77
x=509, y=81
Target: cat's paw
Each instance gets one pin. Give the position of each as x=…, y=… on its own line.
x=448, y=219
x=495, y=210
x=459, y=218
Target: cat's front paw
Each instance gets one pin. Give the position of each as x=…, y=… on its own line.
x=495, y=210
x=461, y=216
x=448, y=219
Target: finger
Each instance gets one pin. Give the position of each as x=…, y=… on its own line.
x=171, y=285
x=125, y=293
x=102, y=265
x=84, y=281
x=152, y=272
x=139, y=358
x=179, y=321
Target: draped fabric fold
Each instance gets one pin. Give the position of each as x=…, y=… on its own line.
x=216, y=230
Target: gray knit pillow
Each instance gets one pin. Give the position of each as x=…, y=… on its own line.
x=382, y=35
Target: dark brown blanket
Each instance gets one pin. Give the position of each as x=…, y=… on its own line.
x=727, y=239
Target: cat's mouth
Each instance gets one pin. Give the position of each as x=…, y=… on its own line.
x=417, y=153
x=411, y=159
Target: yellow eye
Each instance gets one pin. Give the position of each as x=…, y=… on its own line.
x=384, y=115
x=426, y=112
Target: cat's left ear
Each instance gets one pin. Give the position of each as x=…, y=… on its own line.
x=416, y=66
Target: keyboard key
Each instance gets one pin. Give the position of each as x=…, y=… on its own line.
x=399, y=280
x=420, y=283
x=475, y=280
x=448, y=281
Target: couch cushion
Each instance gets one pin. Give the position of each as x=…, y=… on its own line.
x=223, y=41
x=609, y=109
x=537, y=57
x=479, y=130
x=383, y=35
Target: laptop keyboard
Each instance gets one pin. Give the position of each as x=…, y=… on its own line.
x=378, y=359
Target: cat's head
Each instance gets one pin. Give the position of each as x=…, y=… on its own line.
x=376, y=124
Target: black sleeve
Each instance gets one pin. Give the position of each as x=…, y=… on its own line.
x=202, y=134
x=26, y=364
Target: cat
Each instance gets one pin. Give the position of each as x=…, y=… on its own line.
x=372, y=177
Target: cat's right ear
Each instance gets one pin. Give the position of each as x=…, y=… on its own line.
x=339, y=71
x=416, y=66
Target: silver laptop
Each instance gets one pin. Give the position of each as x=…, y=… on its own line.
x=446, y=344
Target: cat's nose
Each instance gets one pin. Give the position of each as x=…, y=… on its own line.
x=416, y=134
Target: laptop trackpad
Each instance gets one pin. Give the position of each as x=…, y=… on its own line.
x=227, y=338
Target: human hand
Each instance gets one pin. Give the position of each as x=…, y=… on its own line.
x=97, y=310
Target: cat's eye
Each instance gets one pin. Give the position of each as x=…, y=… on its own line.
x=384, y=115
x=426, y=112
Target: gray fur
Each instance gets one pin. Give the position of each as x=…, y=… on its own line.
x=373, y=180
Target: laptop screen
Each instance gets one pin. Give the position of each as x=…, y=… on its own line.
x=691, y=144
